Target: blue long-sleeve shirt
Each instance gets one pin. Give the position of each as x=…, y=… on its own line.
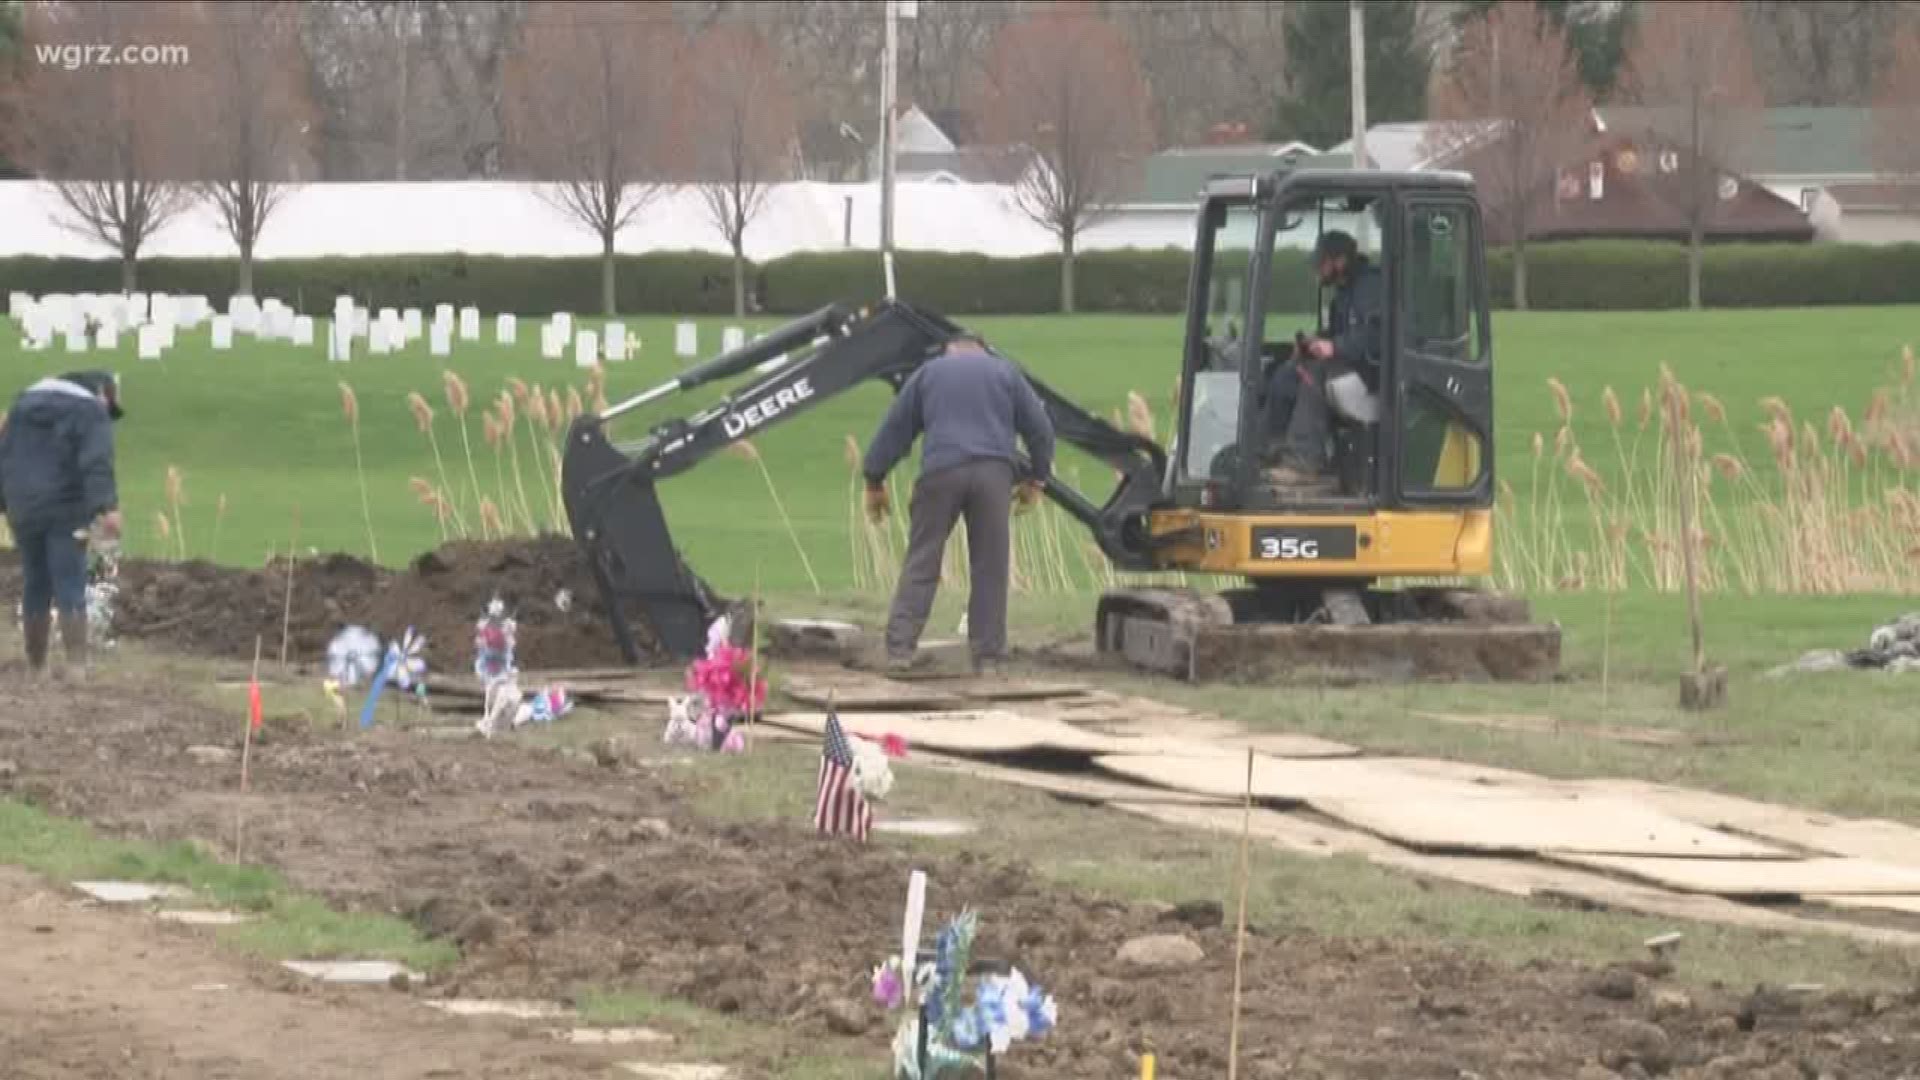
x=969, y=404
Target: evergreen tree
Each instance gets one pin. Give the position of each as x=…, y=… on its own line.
x=1317, y=105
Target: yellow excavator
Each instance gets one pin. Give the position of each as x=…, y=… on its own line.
x=1361, y=577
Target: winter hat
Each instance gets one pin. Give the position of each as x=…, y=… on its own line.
x=104, y=384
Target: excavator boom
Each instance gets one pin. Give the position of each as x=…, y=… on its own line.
x=614, y=507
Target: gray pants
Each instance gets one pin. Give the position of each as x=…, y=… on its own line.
x=982, y=492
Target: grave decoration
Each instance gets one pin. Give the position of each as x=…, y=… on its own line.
x=727, y=690
x=943, y=1034
x=409, y=664
x=353, y=656
x=103, y=585
x=494, y=638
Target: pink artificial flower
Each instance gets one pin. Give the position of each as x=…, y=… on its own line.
x=735, y=744
x=894, y=746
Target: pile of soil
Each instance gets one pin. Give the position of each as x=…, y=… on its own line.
x=554, y=870
x=207, y=610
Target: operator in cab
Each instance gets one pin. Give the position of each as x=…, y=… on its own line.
x=1303, y=393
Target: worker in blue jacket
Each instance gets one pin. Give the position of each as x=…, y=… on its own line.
x=1339, y=371
x=56, y=483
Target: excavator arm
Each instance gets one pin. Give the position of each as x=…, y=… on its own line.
x=614, y=508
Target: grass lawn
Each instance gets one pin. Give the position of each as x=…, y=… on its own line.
x=261, y=426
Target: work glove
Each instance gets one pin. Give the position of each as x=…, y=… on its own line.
x=1027, y=495
x=879, y=502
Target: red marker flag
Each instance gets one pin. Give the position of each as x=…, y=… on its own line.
x=253, y=703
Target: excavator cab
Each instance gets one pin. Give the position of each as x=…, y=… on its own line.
x=1407, y=491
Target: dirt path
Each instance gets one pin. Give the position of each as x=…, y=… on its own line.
x=92, y=993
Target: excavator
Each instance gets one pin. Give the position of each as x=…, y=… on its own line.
x=1362, y=578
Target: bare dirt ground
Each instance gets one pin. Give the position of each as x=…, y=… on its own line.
x=552, y=872
x=93, y=993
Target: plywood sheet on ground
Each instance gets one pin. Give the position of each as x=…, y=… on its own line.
x=864, y=693
x=1907, y=904
x=1512, y=877
x=981, y=731
x=1284, y=780
x=1081, y=787
x=1537, y=824
x=1861, y=838
x=1222, y=736
x=1753, y=877
x=978, y=688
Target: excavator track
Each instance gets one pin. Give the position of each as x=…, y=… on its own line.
x=1339, y=634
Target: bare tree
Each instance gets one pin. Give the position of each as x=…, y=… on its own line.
x=1066, y=87
x=114, y=139
x=590, y=111
x=746, y=132
x=256, y=119
x=1690, y=68
x=1208, y=63
x=1510, y=108
x=1896, y=118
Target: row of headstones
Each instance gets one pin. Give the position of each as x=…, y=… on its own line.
x=157, y=315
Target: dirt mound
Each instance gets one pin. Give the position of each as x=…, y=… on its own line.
x=208, y=610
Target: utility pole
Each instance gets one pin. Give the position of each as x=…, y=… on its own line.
x=888, y=66
x=889, y=79
x=403, y=15
x=1357, y=49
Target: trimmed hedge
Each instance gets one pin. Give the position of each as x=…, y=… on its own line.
x=1598, y=275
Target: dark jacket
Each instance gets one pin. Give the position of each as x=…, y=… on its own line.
x=56, y=457
x=1356, y=321
x=970, y=404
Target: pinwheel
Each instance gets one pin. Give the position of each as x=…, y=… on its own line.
x=353, y=656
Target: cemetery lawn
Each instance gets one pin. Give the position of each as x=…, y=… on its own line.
x=261, y=426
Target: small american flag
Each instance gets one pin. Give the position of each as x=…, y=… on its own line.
x=838, y=809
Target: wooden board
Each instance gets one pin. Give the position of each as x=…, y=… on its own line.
x=867, y=694
x=980, y=731
x=1284, y=780
x=1512, y=877
x=1080, y=787
x=1907, y=904
x=1539, y=824
x=977, y=688
x=1754, y=877
x=1861, y=838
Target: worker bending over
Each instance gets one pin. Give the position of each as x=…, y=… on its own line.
x=969, y=404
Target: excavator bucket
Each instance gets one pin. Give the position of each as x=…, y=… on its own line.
x=615, y=513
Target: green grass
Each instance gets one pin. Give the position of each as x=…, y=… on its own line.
x=262, y=425
x=286, y=925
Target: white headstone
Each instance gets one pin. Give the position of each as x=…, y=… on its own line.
x=137, y=308
x=564, y=321
x=17, y=303
x=339, y=341
x=470, y=324
x=302, y=330
x=553, y=344
x=362, y=319
x=222, y=332
x=388, y=315
x=76, y=342
x=686, y=340
x=149, y=342
x=443, y=313
x=732, y=338
x=586, y=349
x=410, y=321
x=379, y=338
x=107, y=337
x=160, y=311
x=505, y=329
x=245, y=314
x=616, y=342
x=442, y=342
